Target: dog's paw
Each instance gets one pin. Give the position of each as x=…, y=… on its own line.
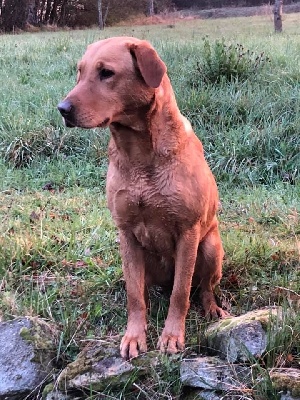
x=170, y=343
x=215, y=312
x=211, y=309
x=132, y=345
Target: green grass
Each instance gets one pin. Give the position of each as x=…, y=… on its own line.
x=59, y=254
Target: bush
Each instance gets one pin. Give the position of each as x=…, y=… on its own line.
x=20, y=151
x=220, y=62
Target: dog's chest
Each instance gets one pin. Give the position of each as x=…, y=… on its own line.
x=149, y=217
x=155, y=209
x=144, y=201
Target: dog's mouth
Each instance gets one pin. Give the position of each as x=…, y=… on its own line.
x=72, y=124
x=104, y=123
x=68, y=123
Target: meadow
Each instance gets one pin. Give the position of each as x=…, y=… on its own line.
x=59, y=254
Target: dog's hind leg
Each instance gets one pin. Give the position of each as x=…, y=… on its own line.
x=208, y=272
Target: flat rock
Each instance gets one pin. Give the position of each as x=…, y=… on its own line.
x=27, y=348
x=286, y=380
x=288, y=396
x=214, y=374
x=99, y=364
x=204, y=395
x=239, y=339
x=57, y=395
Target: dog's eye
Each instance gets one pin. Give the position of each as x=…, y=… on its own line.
x=106, y=73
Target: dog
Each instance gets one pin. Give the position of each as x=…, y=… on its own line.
x=160, y=190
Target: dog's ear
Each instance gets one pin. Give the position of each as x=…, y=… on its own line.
x=151, y=67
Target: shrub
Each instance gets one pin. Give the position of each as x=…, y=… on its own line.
x=20, y=151
x=221, y=62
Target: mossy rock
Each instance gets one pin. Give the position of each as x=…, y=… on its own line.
x=286, y=379
x=42, y=336
x=28, y=346
x=99, y=366
x=245, y=337
x=264, y=316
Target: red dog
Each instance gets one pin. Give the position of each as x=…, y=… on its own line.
x=160, y=190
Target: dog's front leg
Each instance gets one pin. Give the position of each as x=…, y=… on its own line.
x=133, y=264
x=172, y=337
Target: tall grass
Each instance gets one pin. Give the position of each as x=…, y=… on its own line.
x=59, y=251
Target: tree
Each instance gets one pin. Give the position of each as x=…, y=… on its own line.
x=16, y=14
x=32, y=16
x=278, y=15
x=150, y=7
x=100, y=15
x=13, y=15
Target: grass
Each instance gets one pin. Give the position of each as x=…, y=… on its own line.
x=59, y=254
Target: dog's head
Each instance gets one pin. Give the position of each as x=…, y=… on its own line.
x=115, y=78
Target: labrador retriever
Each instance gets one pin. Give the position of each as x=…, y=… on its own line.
x=160, y=190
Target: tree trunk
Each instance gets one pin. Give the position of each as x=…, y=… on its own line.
x=13, y=15
x=63, y=14
x=278, y=15
x=150, y=8
x=53, y=14
x=100, y=15
x=48, y=11
x=106, y=13
x=32, y=12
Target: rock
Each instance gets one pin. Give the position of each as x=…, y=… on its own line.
x=204, y=395
x=209, y=395
x=241, y=338
x=27, y=348
x=288, y=396
x=50, y=392
x=99, y=365
x=57, y=395
x=286, y=380
x=214, y=374
x=213, y=395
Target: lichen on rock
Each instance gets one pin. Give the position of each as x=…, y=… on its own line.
x=286, y=379
x=241, y=338
x=27, y=349
x=98, y=366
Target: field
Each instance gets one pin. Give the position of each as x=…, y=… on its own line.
x=59, y=250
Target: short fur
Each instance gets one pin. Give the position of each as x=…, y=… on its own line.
x=160, y=190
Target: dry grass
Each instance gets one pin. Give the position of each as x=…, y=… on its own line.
x=170, y=18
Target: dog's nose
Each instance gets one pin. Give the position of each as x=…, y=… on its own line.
x=65, y=107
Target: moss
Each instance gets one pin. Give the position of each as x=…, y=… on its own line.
x=148, y=360
x=48, y=389
x=100, y=365
x=43, y=338
x=263, y=316
x=25, y=334
x=42, y=335
x=287, y=379
x=92, y=354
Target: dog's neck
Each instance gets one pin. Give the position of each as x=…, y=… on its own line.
x=157, y=129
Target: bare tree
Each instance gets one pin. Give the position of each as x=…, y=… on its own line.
x=17, y=14
x=32, y=17
x=53, y=13
x=62, y=21
x=100, y=15
x=150, y=7
x=13, y=15
x=278, y=15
